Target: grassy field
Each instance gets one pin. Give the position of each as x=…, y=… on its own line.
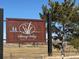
x=25, y=51
x=12, y=51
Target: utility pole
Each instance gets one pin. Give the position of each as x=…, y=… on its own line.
x=1, y=33
x=49, y=34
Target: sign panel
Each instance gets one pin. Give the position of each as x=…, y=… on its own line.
x=25, y=30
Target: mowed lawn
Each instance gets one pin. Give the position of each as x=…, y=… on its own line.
x=12, y=51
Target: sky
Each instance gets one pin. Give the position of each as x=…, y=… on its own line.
x=23, y=9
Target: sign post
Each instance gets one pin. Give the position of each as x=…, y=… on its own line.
x=1, y=33
x=49, y=35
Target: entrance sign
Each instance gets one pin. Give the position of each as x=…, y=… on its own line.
x=25, y=30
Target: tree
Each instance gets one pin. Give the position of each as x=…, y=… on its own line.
x=65, y=13
x=75, y=43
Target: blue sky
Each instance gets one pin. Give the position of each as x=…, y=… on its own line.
x=23, y=8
